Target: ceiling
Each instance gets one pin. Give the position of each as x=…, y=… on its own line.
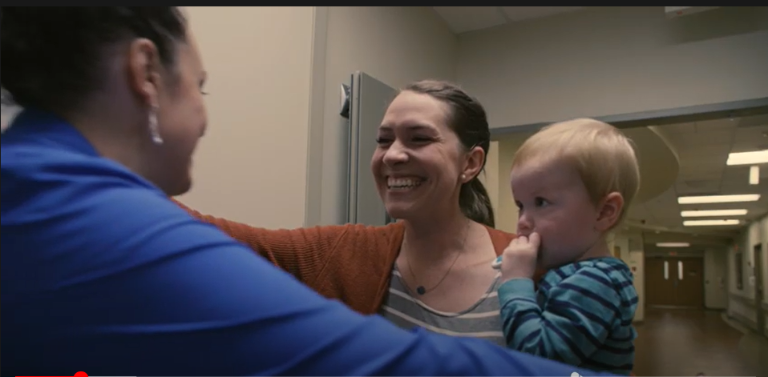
x=465, y=19
x=702, y=149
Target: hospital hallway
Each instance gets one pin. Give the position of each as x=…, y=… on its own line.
x=684, y=342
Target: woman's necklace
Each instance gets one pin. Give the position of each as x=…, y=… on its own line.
x=421, y=290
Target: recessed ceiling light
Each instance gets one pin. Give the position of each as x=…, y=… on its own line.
x=710, y=222
x=754, y=175
x=673, y=244
x=718, y=199
x=714, y=212
x=748, y=158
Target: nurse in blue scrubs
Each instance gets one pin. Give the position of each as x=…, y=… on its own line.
x=102, y=273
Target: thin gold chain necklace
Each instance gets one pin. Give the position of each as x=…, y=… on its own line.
x=420, y=289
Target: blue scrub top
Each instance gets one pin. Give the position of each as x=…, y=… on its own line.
x=102, y=273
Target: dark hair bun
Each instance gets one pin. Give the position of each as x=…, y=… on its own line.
x=51, y=56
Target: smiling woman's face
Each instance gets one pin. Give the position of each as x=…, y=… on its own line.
x=418, y=162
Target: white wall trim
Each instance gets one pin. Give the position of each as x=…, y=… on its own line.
x=316, y=121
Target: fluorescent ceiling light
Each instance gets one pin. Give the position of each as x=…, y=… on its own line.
x=714, y=212
x=748, y=158
x=710, y=222
x=718, y=199
x=754, y=175
x=673, y=244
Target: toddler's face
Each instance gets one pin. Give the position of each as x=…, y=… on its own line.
x=554, y=202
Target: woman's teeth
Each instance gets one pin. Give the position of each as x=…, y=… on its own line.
x=403, y=183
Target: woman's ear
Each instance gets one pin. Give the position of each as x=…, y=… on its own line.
x=144, y=70
x=609, y=211
x=474, y=163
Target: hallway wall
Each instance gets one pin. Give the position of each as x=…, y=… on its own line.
x=615, y=60
x=741, y=304
x=632, y=252
x=716, y=278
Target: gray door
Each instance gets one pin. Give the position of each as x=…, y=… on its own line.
x=369, y=99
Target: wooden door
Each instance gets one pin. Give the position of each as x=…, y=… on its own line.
x=659, y=283
x=677, y=282
x=689, y=273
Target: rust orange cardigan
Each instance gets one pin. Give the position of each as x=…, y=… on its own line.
x=352, y=263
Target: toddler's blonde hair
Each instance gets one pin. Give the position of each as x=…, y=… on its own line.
x=601, y=154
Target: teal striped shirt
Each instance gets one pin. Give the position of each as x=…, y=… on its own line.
x=581, y=315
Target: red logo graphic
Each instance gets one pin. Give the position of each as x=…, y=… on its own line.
x=78, y=374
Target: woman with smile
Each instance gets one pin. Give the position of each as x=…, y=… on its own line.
x=431, y=268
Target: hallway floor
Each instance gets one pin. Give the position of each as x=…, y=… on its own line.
x=684, y=342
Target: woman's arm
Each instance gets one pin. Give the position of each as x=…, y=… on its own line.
x=302, y=252
x=177, y=297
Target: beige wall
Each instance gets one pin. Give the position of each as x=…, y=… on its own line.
x=275, y=153
x=251, y=165
x=615, y=60
x=490, y=177
x=396, y=45
x=506, y=210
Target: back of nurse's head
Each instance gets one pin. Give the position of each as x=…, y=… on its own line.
x=135, y=72
x=55, y=58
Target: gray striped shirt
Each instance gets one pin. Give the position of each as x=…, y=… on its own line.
x=481, y=320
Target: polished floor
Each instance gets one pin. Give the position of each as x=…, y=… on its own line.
x=684, y=342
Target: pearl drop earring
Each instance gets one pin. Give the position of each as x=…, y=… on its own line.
x=154, y=128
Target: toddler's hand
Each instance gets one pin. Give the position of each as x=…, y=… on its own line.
x=520, y=257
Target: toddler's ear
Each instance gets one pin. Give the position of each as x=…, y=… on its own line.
x=609, y=212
